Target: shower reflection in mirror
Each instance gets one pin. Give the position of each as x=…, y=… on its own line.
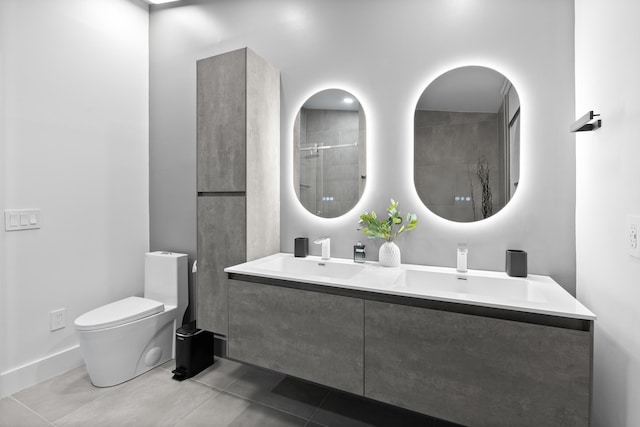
x=467, y=144
x=329, y=139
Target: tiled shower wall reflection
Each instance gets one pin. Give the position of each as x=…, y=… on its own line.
x=448, y=148
x=330, y=180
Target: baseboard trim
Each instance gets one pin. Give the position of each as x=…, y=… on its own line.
x=16, y=379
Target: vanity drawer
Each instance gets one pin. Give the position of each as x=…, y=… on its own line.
x=310, y=335
x=477, y=370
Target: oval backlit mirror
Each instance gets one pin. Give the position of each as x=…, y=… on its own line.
x=467, y=144
x=329, y=153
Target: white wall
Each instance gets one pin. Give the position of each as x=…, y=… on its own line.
x=74, y=143
x=385, y=53
x=607, y=178
x=3, y=287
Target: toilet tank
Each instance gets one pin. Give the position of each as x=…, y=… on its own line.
x=166, y=278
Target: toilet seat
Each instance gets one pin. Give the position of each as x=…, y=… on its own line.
x=118, y=313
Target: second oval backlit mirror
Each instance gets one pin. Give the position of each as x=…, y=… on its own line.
x=329, y=153
x=467, y=144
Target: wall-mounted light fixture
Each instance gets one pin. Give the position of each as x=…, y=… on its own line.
x=586, y=123
x=160, y=1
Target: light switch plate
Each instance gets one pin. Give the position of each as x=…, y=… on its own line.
x=21, y=219
x=633, y=227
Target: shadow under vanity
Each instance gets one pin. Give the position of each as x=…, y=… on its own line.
x=452, y=353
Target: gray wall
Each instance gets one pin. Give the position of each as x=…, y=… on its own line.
x=398, y=49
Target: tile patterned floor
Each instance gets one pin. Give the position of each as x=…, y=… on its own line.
x=226, y=394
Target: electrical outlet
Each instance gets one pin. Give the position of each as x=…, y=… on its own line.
x=58, y=319
x=633, y=227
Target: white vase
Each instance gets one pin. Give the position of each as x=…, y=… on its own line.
x=389, y=255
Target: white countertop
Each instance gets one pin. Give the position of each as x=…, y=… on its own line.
x=532, y=294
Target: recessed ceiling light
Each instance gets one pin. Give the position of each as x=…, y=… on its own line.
x=161, y=1
x=348, y=100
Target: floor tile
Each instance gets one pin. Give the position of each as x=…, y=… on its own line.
x=59, y=396
x=252, y=397
x=153, y=399
x=226, y=410
x=222, y=373
x=13, y=414
x=278, y=391
x=342, y=409
x=170, y=365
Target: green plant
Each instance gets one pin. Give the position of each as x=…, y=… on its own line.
x=385, y=229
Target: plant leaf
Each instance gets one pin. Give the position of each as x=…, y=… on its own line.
x=374, y=228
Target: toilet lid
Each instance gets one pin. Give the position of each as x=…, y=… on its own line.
x=118, y=313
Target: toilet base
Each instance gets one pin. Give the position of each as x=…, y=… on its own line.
x=115, y=355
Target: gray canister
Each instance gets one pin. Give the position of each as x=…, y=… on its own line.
x=301, y=247
x=516, y=263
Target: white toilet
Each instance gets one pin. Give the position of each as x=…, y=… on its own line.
x=126, y=338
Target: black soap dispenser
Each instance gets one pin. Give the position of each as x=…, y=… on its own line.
x=358, y=253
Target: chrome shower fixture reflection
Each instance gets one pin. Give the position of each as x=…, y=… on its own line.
x=329, y=154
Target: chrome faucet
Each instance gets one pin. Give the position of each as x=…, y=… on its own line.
x=326, y=246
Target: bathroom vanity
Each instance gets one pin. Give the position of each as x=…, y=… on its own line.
x=479, y=348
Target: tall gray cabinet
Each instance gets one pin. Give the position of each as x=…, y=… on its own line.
x=238, y=173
